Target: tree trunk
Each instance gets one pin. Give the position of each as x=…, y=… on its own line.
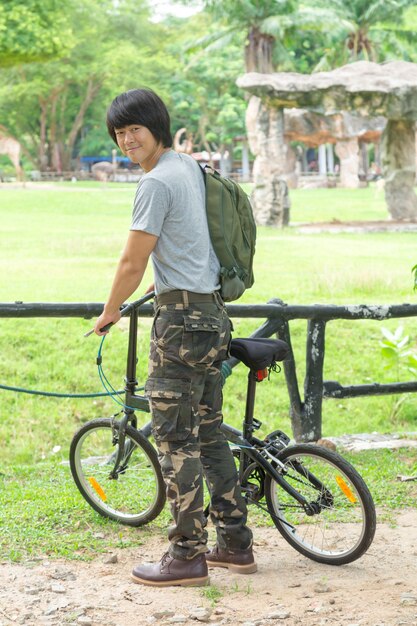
x=42, y=157
x=258, y=51
x=90, y=94
x=55, y=157
x=202, y=124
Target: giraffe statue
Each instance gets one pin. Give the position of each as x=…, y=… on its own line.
x=12, y=148
x=185, y=145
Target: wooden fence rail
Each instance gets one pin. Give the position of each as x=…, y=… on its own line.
x=306, y=413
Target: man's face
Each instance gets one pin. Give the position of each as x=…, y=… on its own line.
x=137, y=143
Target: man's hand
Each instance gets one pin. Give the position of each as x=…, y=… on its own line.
x=104, y=319
x=150, y=288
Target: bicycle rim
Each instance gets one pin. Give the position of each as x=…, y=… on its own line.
x=137, y=495
x=342, y=525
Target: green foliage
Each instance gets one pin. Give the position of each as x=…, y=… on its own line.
x=213, y=110
x=414, y=271
x=249, y=12
x=374, y=31
x=400, y=358
x=396, y=351
x=34, y=30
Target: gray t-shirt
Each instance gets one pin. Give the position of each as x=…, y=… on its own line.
x=170, y=203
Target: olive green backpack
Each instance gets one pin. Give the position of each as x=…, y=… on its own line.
x=232, y=231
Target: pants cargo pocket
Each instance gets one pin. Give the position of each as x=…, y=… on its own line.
x=201, y=340
x=170, y=402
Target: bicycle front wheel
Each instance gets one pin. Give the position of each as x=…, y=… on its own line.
x=137, y=495
x=338, y=525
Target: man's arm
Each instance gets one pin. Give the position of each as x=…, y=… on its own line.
x=129, y=273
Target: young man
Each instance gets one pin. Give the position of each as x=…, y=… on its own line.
x=189, y=340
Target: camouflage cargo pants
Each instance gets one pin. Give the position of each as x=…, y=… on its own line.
x=185, y=395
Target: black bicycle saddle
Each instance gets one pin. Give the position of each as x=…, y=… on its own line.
x=257, y=354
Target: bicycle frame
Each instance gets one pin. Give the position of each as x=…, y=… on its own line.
x=253, y=448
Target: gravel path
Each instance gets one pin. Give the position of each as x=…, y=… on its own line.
x=379, y=589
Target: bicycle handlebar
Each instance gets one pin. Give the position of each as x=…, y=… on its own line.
x=136, y=304
x=129, y=307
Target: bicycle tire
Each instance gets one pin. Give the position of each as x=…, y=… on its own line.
x=137, y=496
x=343, y=527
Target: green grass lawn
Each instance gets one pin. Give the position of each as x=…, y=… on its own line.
x=61, y=245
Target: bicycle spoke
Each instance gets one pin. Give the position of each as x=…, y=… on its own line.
x=338, y=523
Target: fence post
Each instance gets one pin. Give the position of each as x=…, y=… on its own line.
x=313, y=383
x=281, y=327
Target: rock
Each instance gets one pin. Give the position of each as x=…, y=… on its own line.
x=279, y=615
x=270, y=199
x=407, y=599
x=399, y=169
x=201, y=614
x=56, y=606
x=34, y=591
x=178, y=619
x=348, y=152
x=391, y=89
x=162, y=614
x=112, y=558
x=85, y=620
x=322, y=588
x=62, y=573
x=57, y=588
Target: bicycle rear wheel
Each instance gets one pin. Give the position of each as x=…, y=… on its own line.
x=340, y=524
x=137, y=496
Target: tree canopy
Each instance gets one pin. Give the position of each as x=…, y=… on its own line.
x=34, y=30
x=62, y=64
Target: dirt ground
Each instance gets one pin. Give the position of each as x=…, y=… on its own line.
x=379, y=589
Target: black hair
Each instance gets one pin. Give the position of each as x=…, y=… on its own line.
x=143, y=107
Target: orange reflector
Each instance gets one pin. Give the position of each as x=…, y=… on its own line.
x=261, y=374
x=99, y=491
x=346, y=489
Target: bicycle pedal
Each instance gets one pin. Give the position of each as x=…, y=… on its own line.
x=277, y=437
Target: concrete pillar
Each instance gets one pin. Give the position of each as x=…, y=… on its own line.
x=348, y=153
x=245, y=161
x=265, y=129
x=330, y=158
x=322, y=160
x=399, y=168
x=364, y=158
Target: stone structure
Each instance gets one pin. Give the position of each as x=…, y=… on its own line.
x=270, y=198
x=344, y=130
x=363, y=89
x=12, y=148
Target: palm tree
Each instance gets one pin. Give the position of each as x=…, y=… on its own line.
x=260, y=20
x=275, y=30
x=373, y=30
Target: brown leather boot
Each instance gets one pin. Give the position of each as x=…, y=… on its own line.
x=169, y=571
x=238, y=561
